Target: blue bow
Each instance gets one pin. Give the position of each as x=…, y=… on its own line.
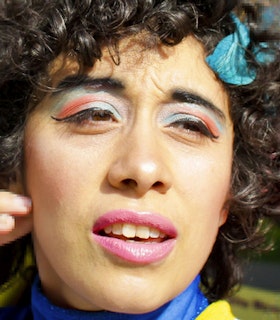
x=229, y=57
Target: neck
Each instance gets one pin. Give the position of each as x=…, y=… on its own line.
x=186, y=306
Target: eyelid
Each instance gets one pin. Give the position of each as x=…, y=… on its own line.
x=82, y=103
x=190, y=120
x=194, y=110
x=176, y=117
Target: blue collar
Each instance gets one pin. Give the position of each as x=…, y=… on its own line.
x=186, y=306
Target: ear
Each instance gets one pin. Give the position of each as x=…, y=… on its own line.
x=223, y=216
x=225, y=209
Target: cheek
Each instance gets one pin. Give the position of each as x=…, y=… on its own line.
x=44, y=172
x=205, y=178
x=56, y=179
x=203, y=186
x=52, y=179
x=54, y=170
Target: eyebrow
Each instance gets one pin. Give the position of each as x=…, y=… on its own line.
x=72, y=82
x=180, y=95
x=190, y=97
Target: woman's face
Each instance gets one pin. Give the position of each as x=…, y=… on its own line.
x=129, y=169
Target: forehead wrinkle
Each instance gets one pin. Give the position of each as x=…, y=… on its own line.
x=157, y=82
x=149, y=92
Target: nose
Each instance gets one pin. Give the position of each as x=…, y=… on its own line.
x=140, y=165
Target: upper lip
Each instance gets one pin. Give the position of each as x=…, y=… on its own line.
x=142, y=218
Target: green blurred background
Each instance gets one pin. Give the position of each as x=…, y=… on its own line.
x=259, y=296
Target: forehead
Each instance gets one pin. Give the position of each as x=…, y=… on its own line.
x=161, y=67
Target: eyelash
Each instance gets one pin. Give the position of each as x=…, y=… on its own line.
x=191, y=124
x=88, y=115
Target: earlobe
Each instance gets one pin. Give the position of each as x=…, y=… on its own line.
x=225, y=210
x=223, y=216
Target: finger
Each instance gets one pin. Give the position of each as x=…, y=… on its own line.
x=23, y=226
x=7, y=223
x=12, y=203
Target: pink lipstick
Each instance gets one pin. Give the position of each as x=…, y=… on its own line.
x=138, y=237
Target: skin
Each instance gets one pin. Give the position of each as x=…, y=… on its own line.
x=142, y=161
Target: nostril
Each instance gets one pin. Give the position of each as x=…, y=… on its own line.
x=157, y=184
x=129, y=183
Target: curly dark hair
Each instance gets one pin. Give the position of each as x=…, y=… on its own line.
x=34, y=32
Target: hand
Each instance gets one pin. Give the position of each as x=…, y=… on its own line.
x=15, y=217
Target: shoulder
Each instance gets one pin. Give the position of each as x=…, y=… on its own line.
x=219, y=310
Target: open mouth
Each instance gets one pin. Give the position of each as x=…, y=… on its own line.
x=136, y=233
x=137, y=237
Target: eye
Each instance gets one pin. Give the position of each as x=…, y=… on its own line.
x=189, y=124
x=91, y=113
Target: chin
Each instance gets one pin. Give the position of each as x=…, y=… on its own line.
x=136, y=307
x=137, y=304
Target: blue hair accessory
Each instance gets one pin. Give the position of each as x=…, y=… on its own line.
x=229, y=57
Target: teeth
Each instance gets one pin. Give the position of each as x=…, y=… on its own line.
x=131, y=231
x=154, y=233
x=162, y=235
x=117, y=229
x=108, y=229
x=143, y=232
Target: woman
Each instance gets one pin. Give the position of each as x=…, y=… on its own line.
x=144, y=133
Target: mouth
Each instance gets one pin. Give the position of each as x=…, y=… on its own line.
x=134, y=233
x=140, y=238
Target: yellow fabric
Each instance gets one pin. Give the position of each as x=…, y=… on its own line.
x=219, y=310
x=13, y=289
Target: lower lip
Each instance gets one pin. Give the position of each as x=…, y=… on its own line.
x=136, y=252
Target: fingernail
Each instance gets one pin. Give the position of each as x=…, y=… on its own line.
x=7, y=222
x=22, y=202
